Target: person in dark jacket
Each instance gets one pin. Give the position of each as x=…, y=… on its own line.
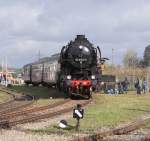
x=120, y=88
x=125, y=85
x=138, y=86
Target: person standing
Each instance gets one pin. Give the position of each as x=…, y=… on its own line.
x=120, y=89
x=138, y=86
x=125, y=86
x=144, y=86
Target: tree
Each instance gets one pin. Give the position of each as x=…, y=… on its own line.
x=142, y=63
x=147, y=56
x=130, y=58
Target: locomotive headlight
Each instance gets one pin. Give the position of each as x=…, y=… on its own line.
x=86, y=49
x=93, y=77
x=68, y=77
x=81, y=47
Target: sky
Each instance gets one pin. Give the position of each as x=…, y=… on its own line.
x=30, y=26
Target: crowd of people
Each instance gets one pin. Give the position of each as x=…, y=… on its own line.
x=122, y=87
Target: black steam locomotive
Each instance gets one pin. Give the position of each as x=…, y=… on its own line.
x=75, y=70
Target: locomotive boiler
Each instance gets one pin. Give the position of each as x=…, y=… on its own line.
x=74, y=70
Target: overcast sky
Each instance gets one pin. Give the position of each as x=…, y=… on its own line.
x=27, y=26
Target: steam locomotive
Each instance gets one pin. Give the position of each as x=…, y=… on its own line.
x=74, y=70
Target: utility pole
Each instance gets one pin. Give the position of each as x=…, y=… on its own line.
x=2, y=67
x=39, y=55
x=2, y=77
x=112, y=57
x=6, y=70
x=148, y=79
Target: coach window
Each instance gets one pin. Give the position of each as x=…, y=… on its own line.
x=46, y=69
x=27, y=70
x=49, y=76
x=39, y=67
x=55, y=68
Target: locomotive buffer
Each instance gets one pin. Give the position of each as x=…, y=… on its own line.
x=78, y=113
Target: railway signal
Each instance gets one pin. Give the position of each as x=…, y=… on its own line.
x=78, y=113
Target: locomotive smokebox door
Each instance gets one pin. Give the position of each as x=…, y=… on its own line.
x=78, y=112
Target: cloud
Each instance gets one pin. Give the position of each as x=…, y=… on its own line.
x=32, y=25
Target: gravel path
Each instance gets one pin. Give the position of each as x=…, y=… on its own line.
x=45, y=122
x=13, y=135
x=19, y=133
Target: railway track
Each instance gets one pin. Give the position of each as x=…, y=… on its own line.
x=143, y=137
x=42, y=113
x=128, y=128
x=18, y=101
x=26, y=111
x=14, y=106
x=19, y=114
x=16, y=112
x=9, y=101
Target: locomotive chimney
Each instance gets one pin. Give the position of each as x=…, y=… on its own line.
x=80, y=37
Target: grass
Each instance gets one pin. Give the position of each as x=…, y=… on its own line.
x=146, y=126
x=4, y=97
x=45, y=95
x=106, y=111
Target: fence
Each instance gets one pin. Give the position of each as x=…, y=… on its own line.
x=131, y=73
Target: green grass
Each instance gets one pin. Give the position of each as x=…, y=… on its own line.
x=146, y=126
x=45, y=95
x=106, y=111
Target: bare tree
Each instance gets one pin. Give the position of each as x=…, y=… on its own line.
x=130, y=58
